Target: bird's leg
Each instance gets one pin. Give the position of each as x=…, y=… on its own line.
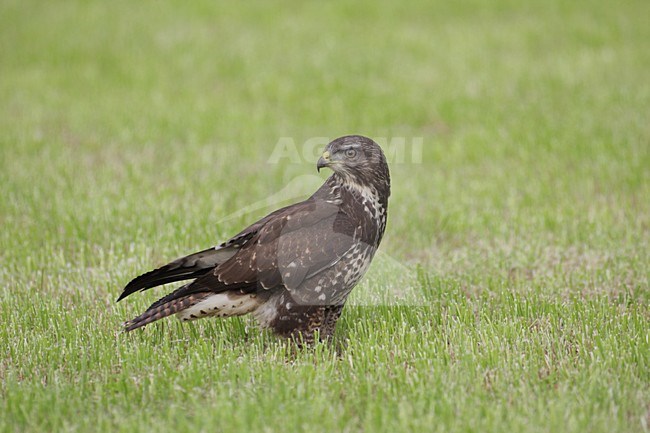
x=314, y=324
x=332, y=314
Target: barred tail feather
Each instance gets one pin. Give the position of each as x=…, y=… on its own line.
x=160, y=310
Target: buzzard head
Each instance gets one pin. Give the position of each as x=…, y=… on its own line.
x=357, y=159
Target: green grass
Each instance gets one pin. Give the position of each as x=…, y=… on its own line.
x=511, y=292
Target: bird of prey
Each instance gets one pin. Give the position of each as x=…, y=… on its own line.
x=293, y=269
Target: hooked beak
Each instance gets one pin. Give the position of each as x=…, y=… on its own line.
x=323, y=161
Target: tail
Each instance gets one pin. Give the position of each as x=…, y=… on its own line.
x=161, y=309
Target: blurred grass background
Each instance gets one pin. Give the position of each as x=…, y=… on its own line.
x=129, y=129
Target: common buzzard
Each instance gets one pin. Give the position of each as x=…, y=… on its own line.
x=294, y=268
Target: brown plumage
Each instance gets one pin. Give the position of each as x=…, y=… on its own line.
x=160, y=311
x=294, y=268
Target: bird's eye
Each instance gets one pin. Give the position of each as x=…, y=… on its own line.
x=350, y=153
